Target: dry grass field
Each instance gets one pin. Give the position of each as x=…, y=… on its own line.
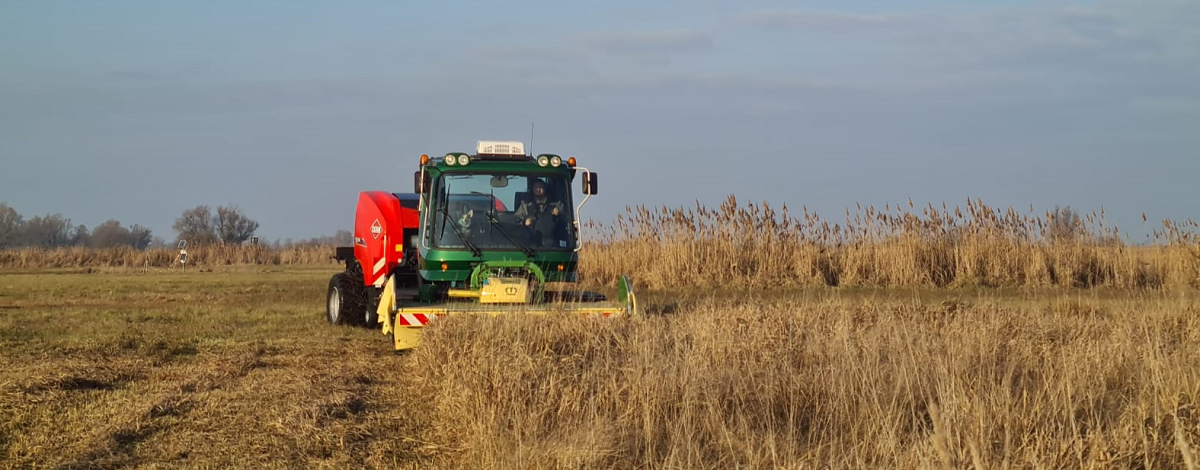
x=235, y=368
x=934, y=338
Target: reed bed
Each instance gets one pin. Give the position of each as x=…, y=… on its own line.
x=802, y=384
x=754, y=245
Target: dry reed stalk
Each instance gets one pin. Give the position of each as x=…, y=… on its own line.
x=754, y=246
x=838, y=384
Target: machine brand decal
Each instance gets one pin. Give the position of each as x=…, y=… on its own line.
x=376, y=229
x=360, y=241
x=510, y=290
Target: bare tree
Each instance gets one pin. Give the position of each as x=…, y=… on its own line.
x=50, y=231
x=11, y=226
x=110, y=234
x=233, y=226
x=196, y=225
x=80, y=236
x=139, y=237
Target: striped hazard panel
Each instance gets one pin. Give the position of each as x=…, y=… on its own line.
x=414, y=319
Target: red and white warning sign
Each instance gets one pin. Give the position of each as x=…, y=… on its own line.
x=376, y=229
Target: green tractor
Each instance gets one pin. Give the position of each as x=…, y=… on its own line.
x=490, y=233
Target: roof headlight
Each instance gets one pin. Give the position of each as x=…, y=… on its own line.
x=463, y=159
x=449, y=160
x=543, y=160
x=555, y=161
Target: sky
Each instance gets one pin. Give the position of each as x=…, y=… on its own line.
x=137, y=110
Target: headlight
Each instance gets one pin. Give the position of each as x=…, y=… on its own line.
x=543, y=161
x=463, y=160
x=449, y=160
x=555, y=161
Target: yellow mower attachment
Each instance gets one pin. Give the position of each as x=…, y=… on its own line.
x=497, y=290
x=405, y=320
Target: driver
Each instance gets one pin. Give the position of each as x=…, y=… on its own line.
x=540, y=208
x=542, y=216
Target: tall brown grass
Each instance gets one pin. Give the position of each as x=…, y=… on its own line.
x=755, y=245
x=804, y=384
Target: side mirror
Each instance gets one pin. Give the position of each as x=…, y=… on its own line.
x=419, y=185
x=590, y=186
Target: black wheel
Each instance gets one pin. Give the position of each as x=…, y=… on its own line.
x=343, y=304
x=371, y=313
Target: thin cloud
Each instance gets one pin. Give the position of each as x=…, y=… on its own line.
x=822, y=20
x=640, y=43
x=1095, y=44
x=586, y=54
x=523, y=54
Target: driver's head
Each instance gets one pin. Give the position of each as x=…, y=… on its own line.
x=539, y=188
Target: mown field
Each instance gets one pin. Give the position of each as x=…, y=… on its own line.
x=234, y=367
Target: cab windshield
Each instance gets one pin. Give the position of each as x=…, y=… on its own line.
x=502, y=212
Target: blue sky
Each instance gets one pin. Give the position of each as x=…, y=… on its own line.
x=139, y=110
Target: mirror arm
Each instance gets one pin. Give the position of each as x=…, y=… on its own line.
x=421, y=201
x=578, y=235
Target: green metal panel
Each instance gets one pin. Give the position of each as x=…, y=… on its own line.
x=484, y=166
x=460, y=263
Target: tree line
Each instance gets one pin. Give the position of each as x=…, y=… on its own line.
x=198, y=226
